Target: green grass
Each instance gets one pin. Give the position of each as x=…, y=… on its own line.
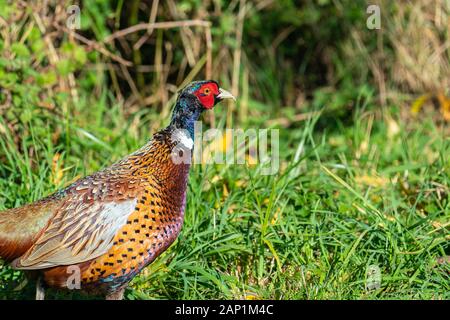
x=350, y=194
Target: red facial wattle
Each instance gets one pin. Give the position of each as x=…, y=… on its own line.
x=206, y=94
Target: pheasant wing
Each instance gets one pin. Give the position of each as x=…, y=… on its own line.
x=78, y=232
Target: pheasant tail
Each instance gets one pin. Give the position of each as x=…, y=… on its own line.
x=20, y=227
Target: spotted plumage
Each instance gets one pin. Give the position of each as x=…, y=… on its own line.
x=105, y=228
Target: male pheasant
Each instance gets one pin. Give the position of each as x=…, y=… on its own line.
x=105, y=228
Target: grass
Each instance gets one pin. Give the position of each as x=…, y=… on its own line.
x=369, y=191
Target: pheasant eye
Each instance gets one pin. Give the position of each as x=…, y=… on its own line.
x=206, y=91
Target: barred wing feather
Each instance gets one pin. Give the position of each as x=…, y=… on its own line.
x=79, y=232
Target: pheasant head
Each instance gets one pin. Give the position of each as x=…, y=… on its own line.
x=195, y=98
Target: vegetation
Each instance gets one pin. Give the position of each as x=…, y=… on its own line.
x=364, y=137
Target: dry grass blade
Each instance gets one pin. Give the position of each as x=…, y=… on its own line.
x=151, y=21
x=156, y=25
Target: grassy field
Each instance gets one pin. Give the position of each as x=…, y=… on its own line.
x=363, y=117
x=350, y=194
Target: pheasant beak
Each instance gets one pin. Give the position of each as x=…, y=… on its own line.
x=224, y=94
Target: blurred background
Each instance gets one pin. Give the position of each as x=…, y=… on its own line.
x=282, y=58
x=363, y=115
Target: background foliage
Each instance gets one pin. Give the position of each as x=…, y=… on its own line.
x=362, y=180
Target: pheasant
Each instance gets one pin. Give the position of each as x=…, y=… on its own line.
x=102, y=230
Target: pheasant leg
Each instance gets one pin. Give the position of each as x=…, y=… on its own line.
x=40, y=292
